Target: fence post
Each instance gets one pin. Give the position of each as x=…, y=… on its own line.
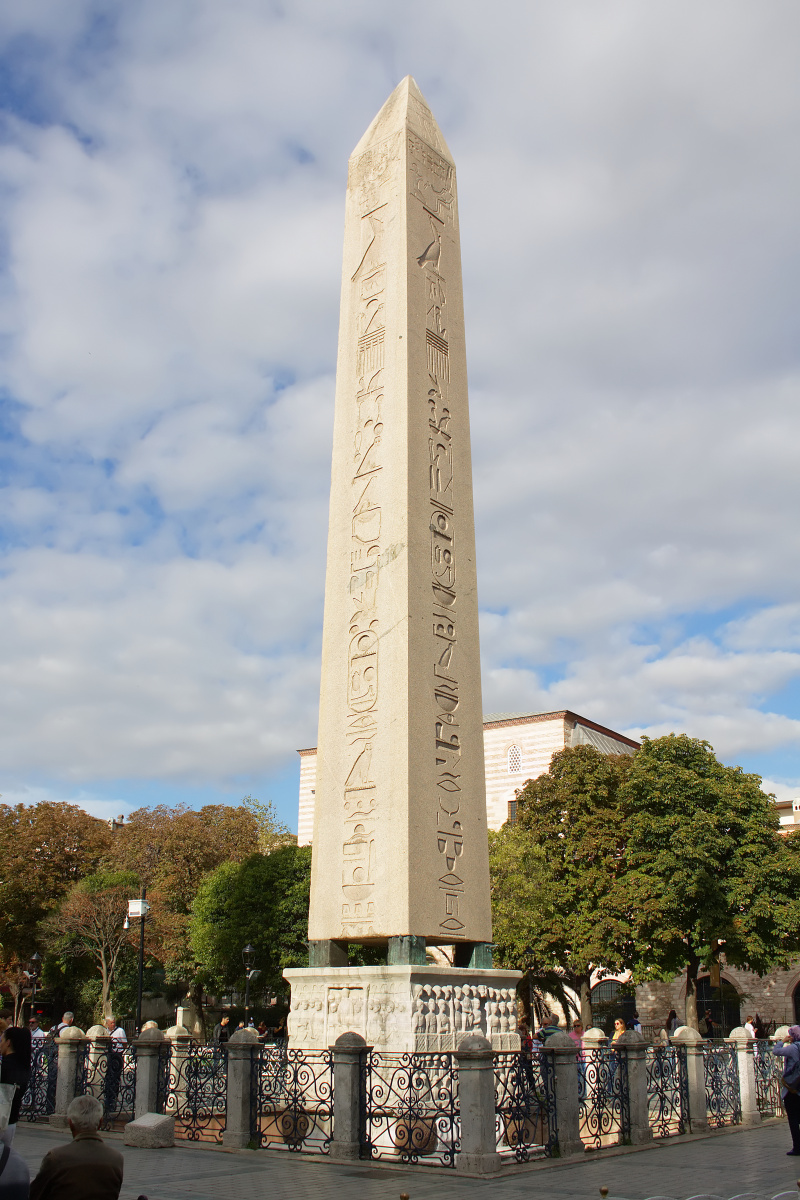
x=148, y=1045
x=747, y=1075
x=634, y=1047
x=348, y=1051
x=241, y=1050
x=563, y=1055
x=478, y=1154
x=69, y=1045
x=696, y=1075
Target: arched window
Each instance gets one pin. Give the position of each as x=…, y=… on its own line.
x=611, y=999
x=723, y=1002
x=514, y=760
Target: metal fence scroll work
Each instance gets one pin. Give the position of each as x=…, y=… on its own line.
x=291, y=1099
x=604, y=1110
x=106, y=1070
x=768, y=1067
x=525, y=1106
x=667, y=1090
x=39, y=1101
x=409, y=1108
x=723, y=1098
x=192, y=1088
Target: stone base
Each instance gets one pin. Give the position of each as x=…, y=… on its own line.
x=422, y=1009
x=151, y=1131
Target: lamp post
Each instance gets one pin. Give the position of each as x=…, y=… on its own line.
x=138, y=908
x=248, y=957
x=34, y=972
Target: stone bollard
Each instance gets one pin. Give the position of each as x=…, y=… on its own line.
x=747, y=1075
x=240, y=1065
x=634, y=1047
x=69, y=1045
x=478, y=1154
x=349, y=1051
x=696, y=1072
x=563, y=1055
x=780, y=1034
x=148, y=1045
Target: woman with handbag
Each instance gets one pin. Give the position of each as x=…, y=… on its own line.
x=790, y=1092
x=15, y=1068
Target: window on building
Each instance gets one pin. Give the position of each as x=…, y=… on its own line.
x=609, y=1000
x=723, y=1002
x=514, y=760
x=512, y=810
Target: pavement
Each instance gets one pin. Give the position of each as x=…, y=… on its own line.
x=727, y=1163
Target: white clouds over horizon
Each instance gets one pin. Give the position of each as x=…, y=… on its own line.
x=171, y=208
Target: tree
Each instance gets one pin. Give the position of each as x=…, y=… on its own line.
x=272, y=832
x=708, y=873
x=44, y=850
x=557, y=909
x=89, y=923
x=262, y=901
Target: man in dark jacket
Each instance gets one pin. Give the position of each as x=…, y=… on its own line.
x=86, y=1168
x=221, y=1031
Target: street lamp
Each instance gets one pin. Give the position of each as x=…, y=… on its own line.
x=34, y=972
x=138, y=908
x=248, y=958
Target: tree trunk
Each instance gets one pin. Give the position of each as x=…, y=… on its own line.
x=196, y=993
x=691, y=992
x=585, y=993
x=105, y=994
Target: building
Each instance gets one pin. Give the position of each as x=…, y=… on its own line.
x=516, y=747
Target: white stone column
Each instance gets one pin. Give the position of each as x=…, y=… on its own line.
x=563, y=1056
x=633, y=1046
x=241, y=1049
x=148, y=1045
x=69, y=1045
x=747, y=1075
x=695, y=1068
x=478, y=1154
x=348, y=1054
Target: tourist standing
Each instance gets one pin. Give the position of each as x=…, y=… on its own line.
x=750, y=1027
x=576, y=1033
x=671, y=1023
x=15, y=1068
x=37, y=1033
x=221, y=1032
x=790, y=1091
x=67, y=1019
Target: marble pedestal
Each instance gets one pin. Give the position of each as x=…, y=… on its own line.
x=424, y=1009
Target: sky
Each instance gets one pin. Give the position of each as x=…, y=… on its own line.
x=171, y=212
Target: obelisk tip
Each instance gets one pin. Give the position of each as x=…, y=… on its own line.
x=406, y=108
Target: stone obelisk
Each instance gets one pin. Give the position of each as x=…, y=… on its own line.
x=400, y=854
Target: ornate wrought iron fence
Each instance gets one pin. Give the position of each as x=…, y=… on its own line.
x=291, y=1099
x=667, y=1090
x=525, y=1106
x=192, y=1087
x=409, y=1108
x=39, y=1100
x=107, y=1071
x=723, y=1097
x=605, y=1115
x=768, y=1080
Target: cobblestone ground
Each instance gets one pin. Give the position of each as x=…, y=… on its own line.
x=725, y=1164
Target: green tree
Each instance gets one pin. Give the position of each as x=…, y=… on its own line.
x=557, y=909
x=262, y=901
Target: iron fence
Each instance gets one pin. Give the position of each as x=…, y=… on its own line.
x=604, y=1113
x=723, y=1097
x=291, y=1099
x=107, y=1070
x=192, y=1087
x=525, y=1106
x=409, y=1108
x=39, y=1100
x=667, y=1090
x=768, y=1080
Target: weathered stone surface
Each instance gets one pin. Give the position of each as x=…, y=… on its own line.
x=400, y=843
x=151, y=1131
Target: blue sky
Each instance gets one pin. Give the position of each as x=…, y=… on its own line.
x=171, y=204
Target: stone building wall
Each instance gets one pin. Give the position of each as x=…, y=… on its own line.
x=771, y=996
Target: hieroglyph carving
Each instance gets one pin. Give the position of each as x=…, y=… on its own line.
x=432, y=185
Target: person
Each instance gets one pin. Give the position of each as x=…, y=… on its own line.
x=637, y=1024
x=750, y=1027
x=671, y=1023
x=221, y=1031
x=576, y=1033
x=15, y=1068
x=549, y=1027
x=15, y=1178
x=526, y=1051
x=280, y=1030
x=706, y=1024
x=760, y=1028
x=790, y=1091
x=37, y=1033
x=119, y=1038
x=619, y=1029
x=115, y=1063
x=86, y=1166
x=262, y=1031
x=67, y=1019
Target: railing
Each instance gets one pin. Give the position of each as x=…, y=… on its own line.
x=525, y=1106
x=291, y=1099
x=39, y=1100
x=723, y=1097
x=667, y=1090
x=106, y=1070
x=192, y=1087
x=604, y=1099
x=768, y=1080
x=409, y=1108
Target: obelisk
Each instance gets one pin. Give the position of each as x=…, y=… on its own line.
x=400, y=856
